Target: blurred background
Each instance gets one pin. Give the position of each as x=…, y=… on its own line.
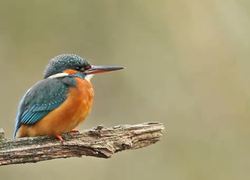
x=187, y=67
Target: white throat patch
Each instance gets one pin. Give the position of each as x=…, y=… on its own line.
x=89, y=77
x=58, y=75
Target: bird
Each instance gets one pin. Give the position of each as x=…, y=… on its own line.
x=59, y=102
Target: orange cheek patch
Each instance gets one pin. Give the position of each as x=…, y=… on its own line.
x=70, y=71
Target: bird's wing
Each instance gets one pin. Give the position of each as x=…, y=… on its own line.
x=38, y=101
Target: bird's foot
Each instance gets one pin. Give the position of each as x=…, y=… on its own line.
x=59, y=137
x=74, y=131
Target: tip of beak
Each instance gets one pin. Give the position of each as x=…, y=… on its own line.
x=103, y=69
x=120, y=67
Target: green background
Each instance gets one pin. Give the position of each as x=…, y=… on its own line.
x=187, y=66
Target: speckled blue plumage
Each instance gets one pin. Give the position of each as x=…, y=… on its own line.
x=64, y=61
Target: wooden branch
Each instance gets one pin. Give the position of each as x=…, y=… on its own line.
x=98, y=142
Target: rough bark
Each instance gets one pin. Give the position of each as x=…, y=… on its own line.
x=98, y=142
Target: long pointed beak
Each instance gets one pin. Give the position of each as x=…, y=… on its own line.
x=102, y=69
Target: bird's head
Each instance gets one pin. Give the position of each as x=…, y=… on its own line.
x=71, y=64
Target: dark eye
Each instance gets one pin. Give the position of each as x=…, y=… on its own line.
x=78, y=68
x=87, y=67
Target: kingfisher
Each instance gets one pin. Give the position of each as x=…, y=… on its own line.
x=61, y=101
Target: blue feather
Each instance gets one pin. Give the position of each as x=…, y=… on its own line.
x=41, y=99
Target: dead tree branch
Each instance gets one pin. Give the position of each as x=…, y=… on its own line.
x=98, y=142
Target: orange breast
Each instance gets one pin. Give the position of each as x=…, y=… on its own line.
x=67, y=116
